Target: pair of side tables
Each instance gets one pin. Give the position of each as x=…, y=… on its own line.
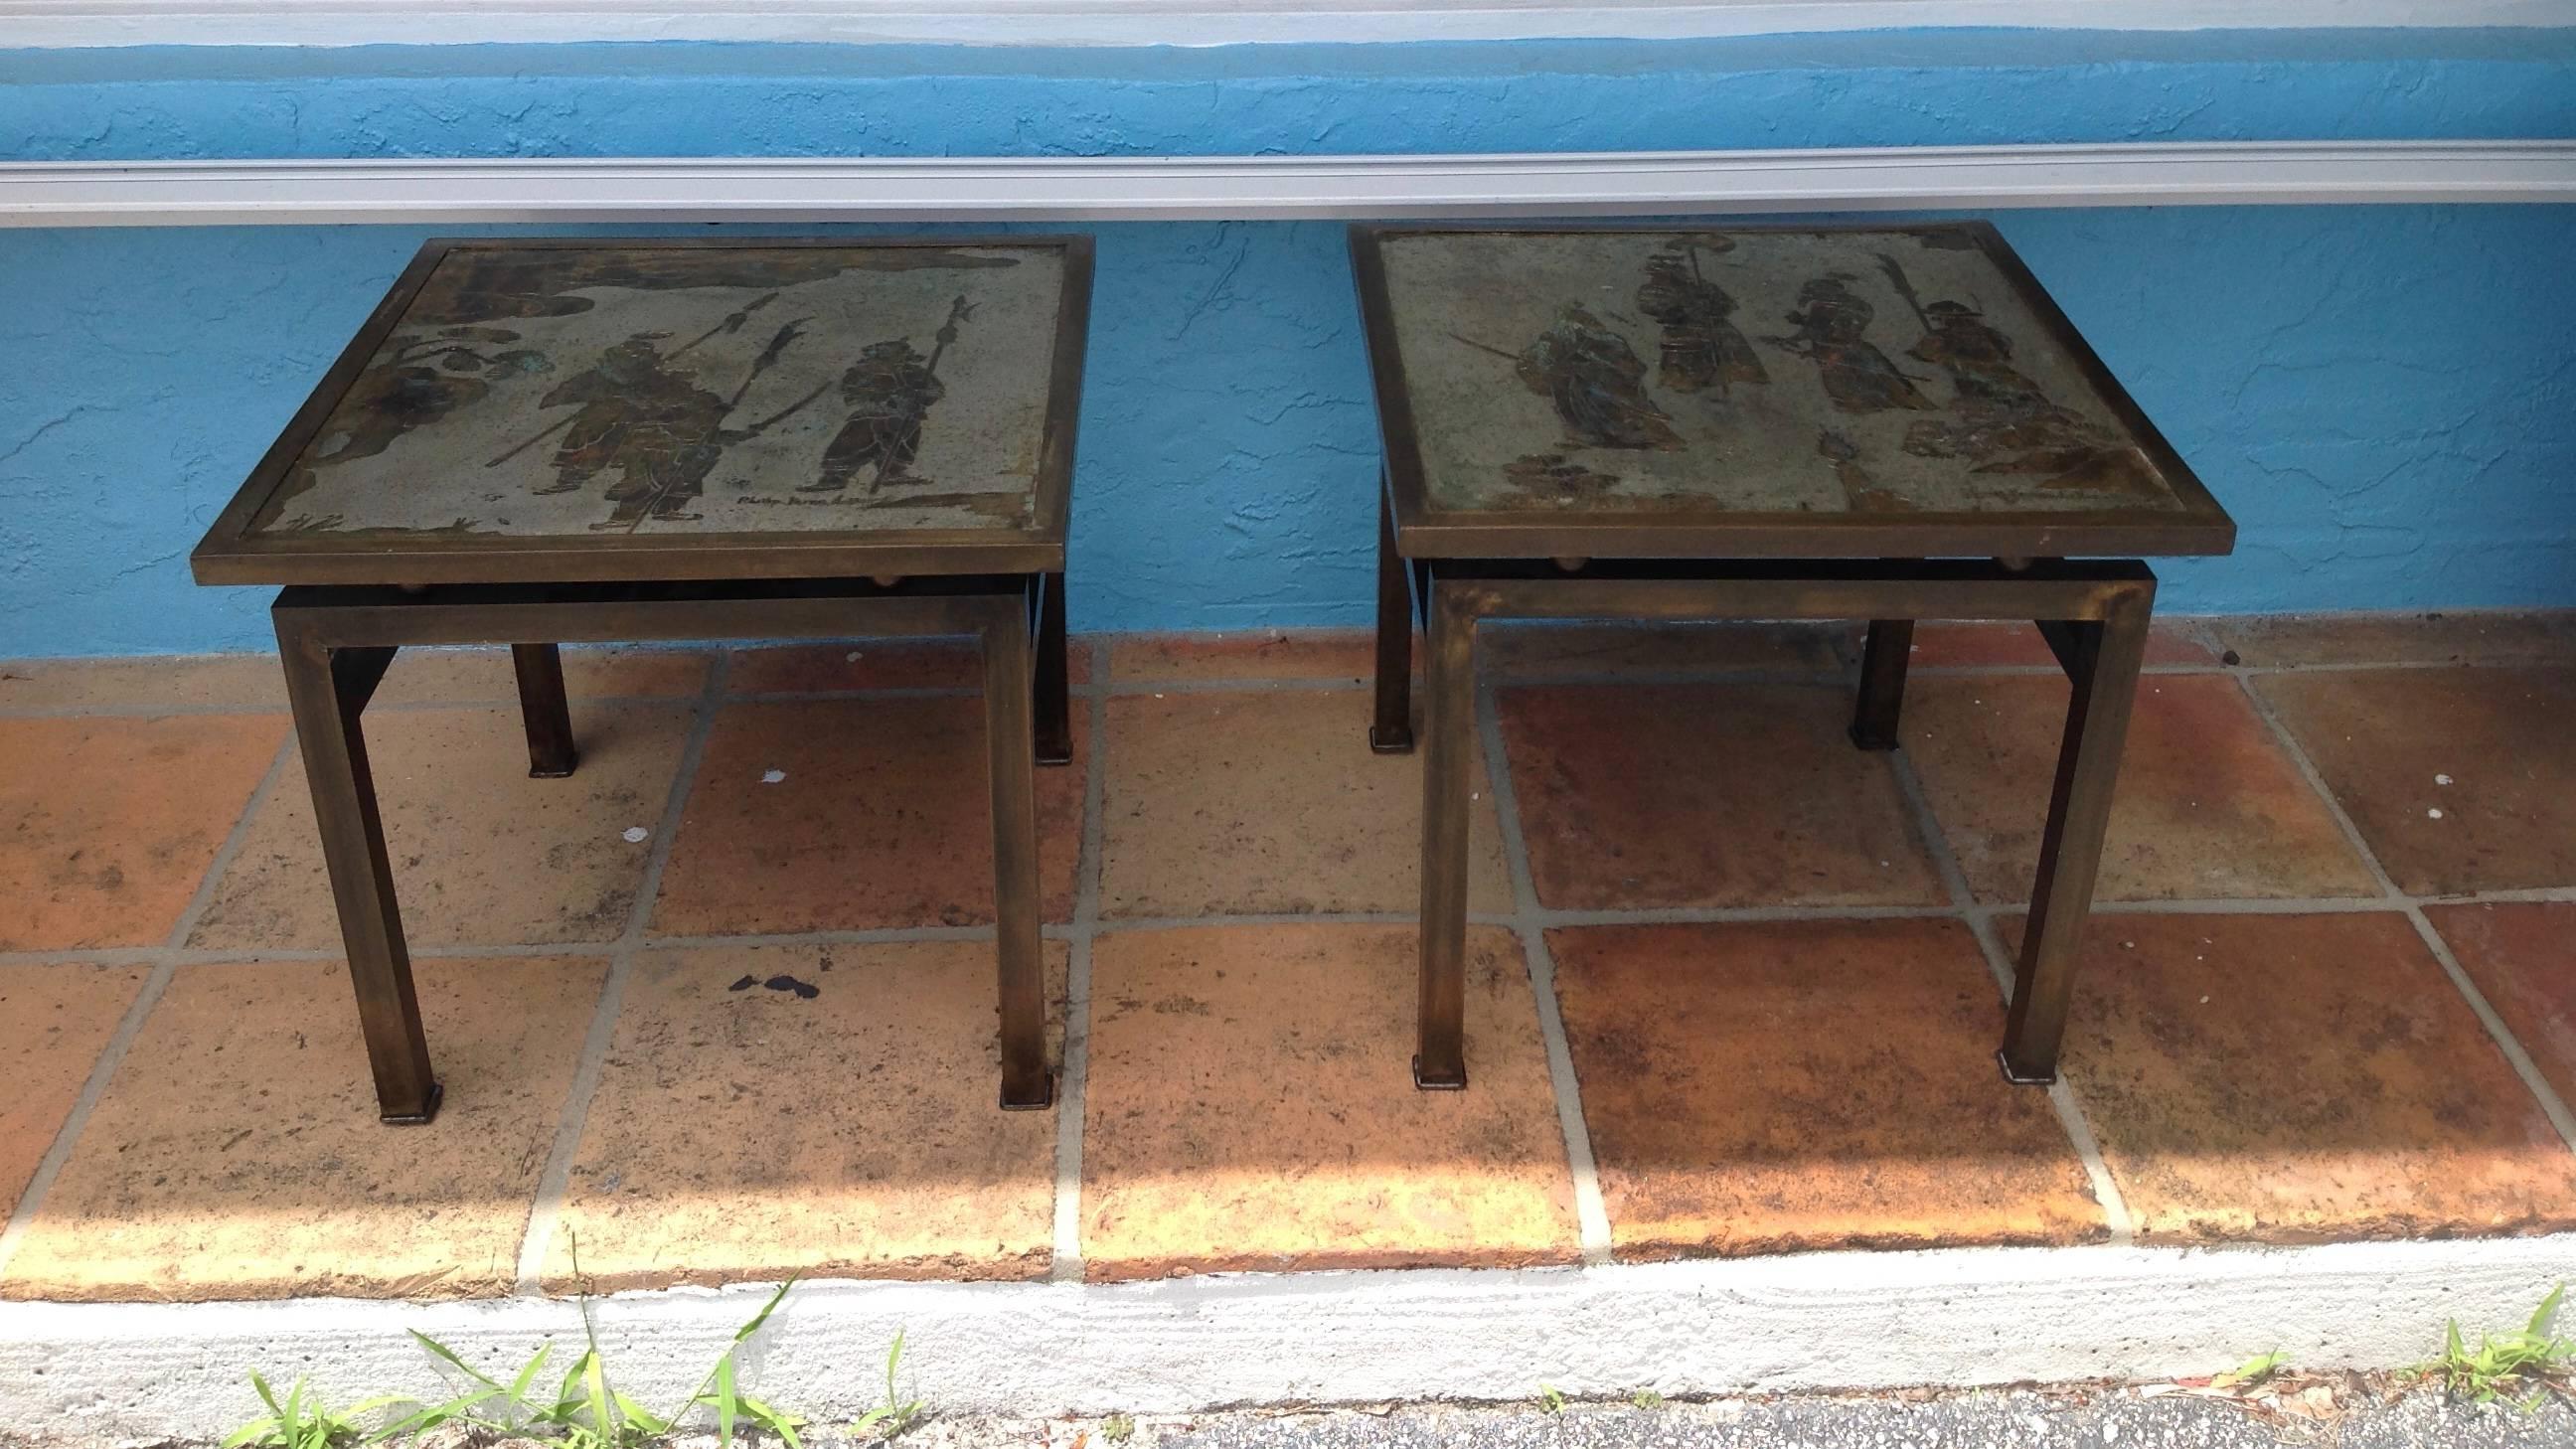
x=540, y=441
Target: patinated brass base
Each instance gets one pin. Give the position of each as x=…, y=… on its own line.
x=338, y=642
x=2093, y=614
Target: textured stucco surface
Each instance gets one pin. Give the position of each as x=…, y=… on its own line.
x=2385, y=397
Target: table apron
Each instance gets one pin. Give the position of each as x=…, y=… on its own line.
x=2071, y=592
x=429, y=621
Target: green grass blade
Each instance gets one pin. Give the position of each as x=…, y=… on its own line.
x=450, y=1355
x=757, y=1319
x=724, y=1401
x=782, y=1425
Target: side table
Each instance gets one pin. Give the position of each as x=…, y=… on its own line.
x=1758, y=422
x=539, y=441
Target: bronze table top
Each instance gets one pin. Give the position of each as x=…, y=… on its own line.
x=1864, y=391
x=614, y=409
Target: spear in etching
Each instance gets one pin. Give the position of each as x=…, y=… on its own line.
x=958, y=311
x=1511, y=357
x=1904, y=286
x=730, y=325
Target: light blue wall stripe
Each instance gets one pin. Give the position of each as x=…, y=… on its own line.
x=2386, y=397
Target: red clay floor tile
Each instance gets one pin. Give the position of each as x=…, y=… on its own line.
x=2302, y=1078
x=2209, y=805
x=1250, y=1106
x=879, y=818
x=1761, y=1088
x=2522, y=955
x=1710, y=795
x=107, y=825
x=2460, y=779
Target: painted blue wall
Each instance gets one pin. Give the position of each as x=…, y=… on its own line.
x=2385, y=397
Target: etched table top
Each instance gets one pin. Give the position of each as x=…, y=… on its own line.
x=1753, y=391
x=611, y=409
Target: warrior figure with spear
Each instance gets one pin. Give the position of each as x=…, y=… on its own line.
x=890, y=390
x=1595, y=381
x=654, y=425
x=1701, y=348
x=2006, y=422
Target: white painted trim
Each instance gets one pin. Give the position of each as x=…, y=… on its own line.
x=1829, y=1320
x=56, y=23
x=479, y=192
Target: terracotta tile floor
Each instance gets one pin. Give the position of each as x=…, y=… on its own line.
x=1735, y=985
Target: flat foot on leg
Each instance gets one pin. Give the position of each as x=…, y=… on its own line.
x=2020, y=1078
x=1021, y=1097
x=421, y=1116
x=1391, y=741
x=1865, y=737
x=1448, y=1079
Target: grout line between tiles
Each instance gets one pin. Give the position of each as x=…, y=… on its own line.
x=110, y=1057
x=1074, y=1078
x=1980, y=921
x=165, y=964
x=554, y=1182
x=1591, y=1209
x=2516, y=1056
x=2551, y=1104
x=203, y=898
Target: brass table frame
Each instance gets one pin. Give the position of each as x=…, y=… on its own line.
x=350, y=603
x=338, y=642
x=1461, y=567
x=2094, y=616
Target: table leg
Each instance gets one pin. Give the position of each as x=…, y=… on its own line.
x=1391, y=733
x=1010, y=741
x=1882, y=683
x=1449, y=722
x=328, y=689
x=2104, y=676
x=543, y=710
x=1055, y=681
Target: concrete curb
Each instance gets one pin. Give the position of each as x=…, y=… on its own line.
x=1828, y=1320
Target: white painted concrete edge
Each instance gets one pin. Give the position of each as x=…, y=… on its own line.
x=65, y=23
x=915, y=189
x=1836, y=1320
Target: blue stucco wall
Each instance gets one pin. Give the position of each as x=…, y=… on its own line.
x=2385, y=397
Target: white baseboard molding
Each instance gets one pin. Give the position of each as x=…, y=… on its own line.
x=1573, y=184
x=1835, y=1320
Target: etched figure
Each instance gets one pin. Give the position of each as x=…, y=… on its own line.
x=659, y=430
x=417, y=382
x=2007, y=423
x=405, y=391
x=890, y=390
x=649, y=421
x=1701, y=348
x=1597, y=383
x=1831, y=321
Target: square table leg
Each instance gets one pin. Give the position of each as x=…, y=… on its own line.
x=1391, y=732
x=2102, y=660
x=1055, y=684
x=544, y=711
x=1448, y=757
x=1882, y=683
x=328, y=689
x=1010, y=750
